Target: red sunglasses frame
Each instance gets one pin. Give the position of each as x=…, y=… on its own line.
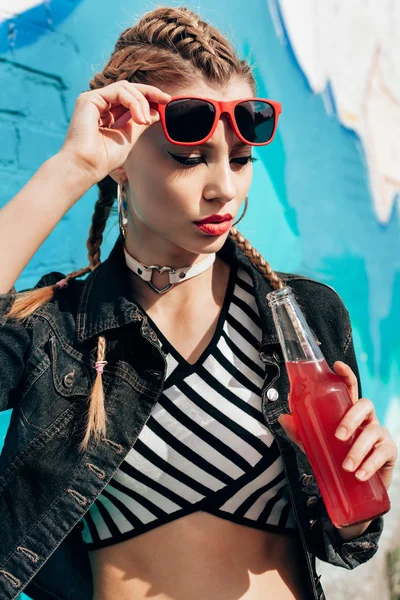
x=220, y=108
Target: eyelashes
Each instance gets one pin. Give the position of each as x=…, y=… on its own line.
x=192, y=162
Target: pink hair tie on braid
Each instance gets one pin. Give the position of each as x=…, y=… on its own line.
x=62, y=283
x=100, y=364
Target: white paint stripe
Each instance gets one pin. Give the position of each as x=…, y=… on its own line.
x=11, y=9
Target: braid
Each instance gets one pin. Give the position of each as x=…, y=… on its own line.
x=96, y=419
x=183, y=32
x=256, y=258
x=102, y=209
x=172, y=46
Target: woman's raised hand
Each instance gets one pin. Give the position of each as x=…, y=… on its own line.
x=106, y=123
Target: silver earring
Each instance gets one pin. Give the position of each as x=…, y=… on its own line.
x=246, y=204
x=122, y=209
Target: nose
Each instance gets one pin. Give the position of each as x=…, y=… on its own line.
x=220, y=185
x=220, y=177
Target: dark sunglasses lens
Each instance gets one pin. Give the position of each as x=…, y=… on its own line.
x=189, y=120
x=255, y=120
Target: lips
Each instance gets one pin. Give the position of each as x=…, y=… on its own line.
x=215, y=219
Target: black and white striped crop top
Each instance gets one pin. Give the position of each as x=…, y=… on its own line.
x=205, y=445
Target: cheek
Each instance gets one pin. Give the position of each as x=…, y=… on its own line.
x=163, y=199
x=158, y=185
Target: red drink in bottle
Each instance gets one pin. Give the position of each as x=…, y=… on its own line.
x=318, y=400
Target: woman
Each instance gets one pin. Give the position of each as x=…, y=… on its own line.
x=176, y=479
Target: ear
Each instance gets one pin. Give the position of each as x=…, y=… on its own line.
x=119, y=175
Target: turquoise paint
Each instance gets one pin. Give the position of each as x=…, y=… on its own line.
x=27, y=27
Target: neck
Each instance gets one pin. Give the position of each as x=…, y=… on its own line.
x=150, y=251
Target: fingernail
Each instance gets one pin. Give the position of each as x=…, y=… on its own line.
x=348, y=464
x=361, y=474
x=341, y=433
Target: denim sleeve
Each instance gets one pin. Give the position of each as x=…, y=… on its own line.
x=15, y=341
x=327, y=543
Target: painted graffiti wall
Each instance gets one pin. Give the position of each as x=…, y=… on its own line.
x=325, y=198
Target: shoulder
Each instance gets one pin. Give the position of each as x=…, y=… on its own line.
x=324, y=308
x=62, y=305
x=305, y=287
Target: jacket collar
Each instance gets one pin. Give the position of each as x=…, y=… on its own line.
x=107, y=303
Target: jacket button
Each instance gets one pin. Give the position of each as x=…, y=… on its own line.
x=272, y=394
x=312, y=500
x=307, y=479
x=69, y=379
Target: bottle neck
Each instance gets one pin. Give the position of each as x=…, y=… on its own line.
x=296, y=338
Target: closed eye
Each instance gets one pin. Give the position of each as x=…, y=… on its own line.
x=193, y=161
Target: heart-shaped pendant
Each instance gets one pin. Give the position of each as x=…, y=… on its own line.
x=162, y=290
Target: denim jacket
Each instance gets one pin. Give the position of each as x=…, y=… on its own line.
x=47, y=369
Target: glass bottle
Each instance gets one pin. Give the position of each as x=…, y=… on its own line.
x=318, y=400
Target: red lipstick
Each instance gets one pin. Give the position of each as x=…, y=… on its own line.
x=215, y=224
x=215, y=219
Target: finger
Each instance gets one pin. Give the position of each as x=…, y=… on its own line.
x=119, y=99
x=349, y=377
x=288, y=424
x=134, y=111
x=381, y=457
x=118, y=93
x=152, y=93
x=143, y=112
x=355, y=416
x=90, y=105
x=144, y=104
x=113, y=114
x=135, y=107
x=369, y=437
x=145, y=108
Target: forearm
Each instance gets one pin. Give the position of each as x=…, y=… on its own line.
x=28, y=219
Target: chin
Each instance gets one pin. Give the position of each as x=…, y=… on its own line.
x=208, y=244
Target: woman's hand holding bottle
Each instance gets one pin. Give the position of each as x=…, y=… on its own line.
x=372, y=436
x=373, y=450
x=106, y=124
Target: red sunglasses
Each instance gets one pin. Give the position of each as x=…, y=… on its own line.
x=192, y=120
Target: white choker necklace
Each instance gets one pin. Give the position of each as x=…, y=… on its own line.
x=145, y=272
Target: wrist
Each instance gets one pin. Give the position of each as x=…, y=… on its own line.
x=73, y=171
x=351, y=532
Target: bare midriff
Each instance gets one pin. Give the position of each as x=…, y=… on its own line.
x=200, y=557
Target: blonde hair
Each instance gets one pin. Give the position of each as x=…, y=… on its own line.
x=166, y=46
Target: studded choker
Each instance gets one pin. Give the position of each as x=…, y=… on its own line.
x=145, y=272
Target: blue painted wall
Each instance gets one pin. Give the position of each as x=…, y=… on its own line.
x=310, y=205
